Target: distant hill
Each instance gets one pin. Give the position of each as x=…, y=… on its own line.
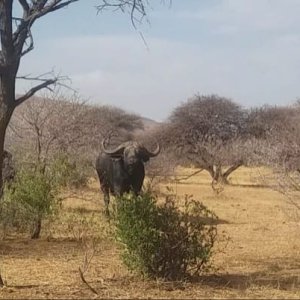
x=149, y=124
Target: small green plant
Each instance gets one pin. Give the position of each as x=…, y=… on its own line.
x=161, y=241
x=30, y=199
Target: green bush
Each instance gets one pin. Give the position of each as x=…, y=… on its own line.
x=31, y=198
x=161, y=241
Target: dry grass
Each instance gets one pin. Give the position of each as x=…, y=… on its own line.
x=261, y=259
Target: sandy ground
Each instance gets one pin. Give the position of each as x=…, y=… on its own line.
x=260, y=258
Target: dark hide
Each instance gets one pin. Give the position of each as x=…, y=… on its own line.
x=122, y=171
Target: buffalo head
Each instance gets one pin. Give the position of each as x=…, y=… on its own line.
x=132, y=153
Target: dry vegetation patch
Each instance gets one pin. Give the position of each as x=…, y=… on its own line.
x=261, y=259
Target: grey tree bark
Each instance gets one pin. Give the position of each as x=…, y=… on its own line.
x=16, y=41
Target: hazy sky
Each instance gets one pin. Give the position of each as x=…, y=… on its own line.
x=246, y=50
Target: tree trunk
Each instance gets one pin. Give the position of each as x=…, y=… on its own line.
x=37, y=229
x=211, y=171
x=4, y=119
x=218, y=173
x=2, y=135
x=226, y=174
x=1, y=281
x=215, y=172
x=7, y=106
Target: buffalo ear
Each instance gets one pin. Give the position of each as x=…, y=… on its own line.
x=144, y=157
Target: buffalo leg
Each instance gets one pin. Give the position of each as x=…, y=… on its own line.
x=106, y=198
x=137, y=186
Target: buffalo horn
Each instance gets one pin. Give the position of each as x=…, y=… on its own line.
x=117, y=151
x=154, y=153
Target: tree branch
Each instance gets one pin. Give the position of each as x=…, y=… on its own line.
x=35, y=89
x=84, y=281
x=30, y=47
x=232, y=169
x=30, y=15
x=191, y=175
x=25, y=6
x=133, y=7
x=55, y=5
x=86, y=263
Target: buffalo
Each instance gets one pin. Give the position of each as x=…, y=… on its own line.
x=121, y=170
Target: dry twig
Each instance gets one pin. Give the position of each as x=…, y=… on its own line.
x=86, y=263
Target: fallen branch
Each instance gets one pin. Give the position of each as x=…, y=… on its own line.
x=189, y=176
x=85, y=266
x=87, y=284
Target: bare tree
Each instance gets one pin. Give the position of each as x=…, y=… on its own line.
x=111, y=123
x=274, y=130
x=206, y=132
x=17, y=18
x=44, y=127
x=275, y=143
x=17, y=41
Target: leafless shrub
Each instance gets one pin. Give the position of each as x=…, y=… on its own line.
x=44, y=128
x=276, y=144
